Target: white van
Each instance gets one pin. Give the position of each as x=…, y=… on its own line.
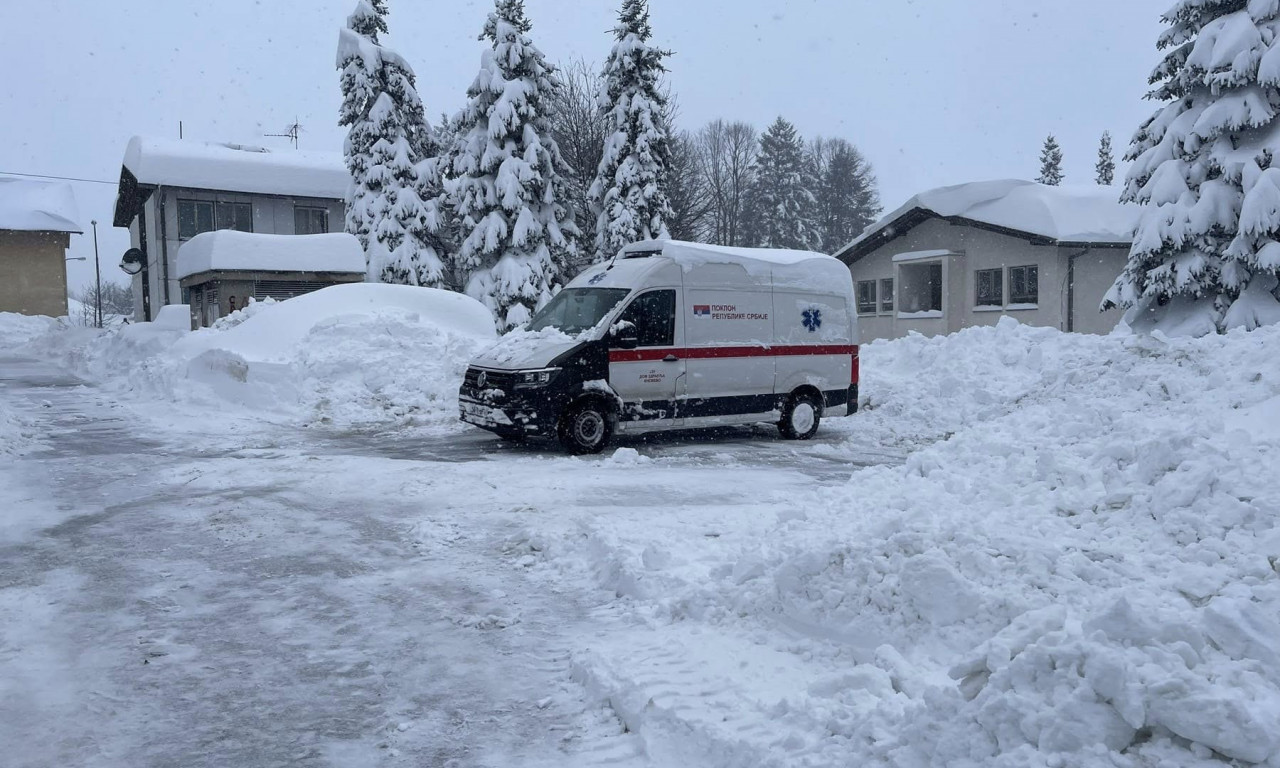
x=674, y=335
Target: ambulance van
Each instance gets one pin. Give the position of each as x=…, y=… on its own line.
x=674, y=335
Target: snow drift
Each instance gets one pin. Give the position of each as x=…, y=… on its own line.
x=348, y=354
x=1075, y=564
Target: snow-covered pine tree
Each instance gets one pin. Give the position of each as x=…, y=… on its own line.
x=1050, y=163
x=1206, y=254
x=507, y=186
x=392, y=204
x=1106, y=166
x=629, y=194
x=360, y=85
x=781, y=201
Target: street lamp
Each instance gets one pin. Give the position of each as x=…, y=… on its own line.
x=97, y=271
x=77, y=258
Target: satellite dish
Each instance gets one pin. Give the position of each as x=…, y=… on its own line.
x=133, y=261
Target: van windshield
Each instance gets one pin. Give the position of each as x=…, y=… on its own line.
x=574, y=310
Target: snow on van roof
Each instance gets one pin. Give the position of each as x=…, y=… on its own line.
x=236, y=168
x=702, y=253
x=1066, y=214
x=228, y=249
x=37, y=206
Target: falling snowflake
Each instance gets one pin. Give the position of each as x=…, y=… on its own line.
x=812, y=319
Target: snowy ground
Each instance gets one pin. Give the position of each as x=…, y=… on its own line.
x=1030, y=548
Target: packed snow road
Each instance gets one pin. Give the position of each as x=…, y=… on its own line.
x=228, y=595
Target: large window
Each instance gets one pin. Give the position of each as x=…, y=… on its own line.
x=920, y=288
x=886, y=295
x=866, y=297
x=196, y=216
x=989, y=287
x=309, y=220
x=654, y=316
x=1024, y=285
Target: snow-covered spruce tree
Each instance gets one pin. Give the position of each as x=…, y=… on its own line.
x=393, y=201
x=1106, y=166
x=1206, y=254
x=507, y=189
x=781, y=202
x=629, y=194
x=1050, y=163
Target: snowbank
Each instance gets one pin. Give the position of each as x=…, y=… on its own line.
x=16, y=330
x=1075, y=564
x=349, y=354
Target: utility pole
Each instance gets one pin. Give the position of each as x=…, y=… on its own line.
x=97, y=271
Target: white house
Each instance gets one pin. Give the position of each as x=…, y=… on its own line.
x=172, y=190
x=965, y=255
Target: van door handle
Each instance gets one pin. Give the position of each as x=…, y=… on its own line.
x=670, y=359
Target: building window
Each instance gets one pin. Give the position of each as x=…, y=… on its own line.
x=886, y=295
x=920, y=288
x=310, y=221
x=1024, y=285
x=866, y=297
x=194, y=217
x=197, y=216
x=990, y=287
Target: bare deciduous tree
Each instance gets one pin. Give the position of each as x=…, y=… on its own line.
x=579, y=129
x=726, y=156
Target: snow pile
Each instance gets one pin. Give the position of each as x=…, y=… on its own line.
x=348, y=354
x=1081, y=568
x=17, y=435
x=16, y=330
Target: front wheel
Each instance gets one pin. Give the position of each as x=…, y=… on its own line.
x=585, y=428
x=800, y=417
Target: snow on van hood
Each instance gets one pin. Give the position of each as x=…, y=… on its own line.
x=522, y=349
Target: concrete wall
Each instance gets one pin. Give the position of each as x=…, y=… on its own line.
x=33, y=272
x=982, y=249
x=1095, y=271
x=271, y=216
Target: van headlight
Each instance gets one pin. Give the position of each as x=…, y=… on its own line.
x=535, y=378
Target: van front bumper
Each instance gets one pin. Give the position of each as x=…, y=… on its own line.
x=513, y=417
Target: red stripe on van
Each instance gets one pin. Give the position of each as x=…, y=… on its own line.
x=712, y=353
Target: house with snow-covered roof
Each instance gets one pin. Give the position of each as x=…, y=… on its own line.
x=171, y=190
x=37, y=219
x=966, y=255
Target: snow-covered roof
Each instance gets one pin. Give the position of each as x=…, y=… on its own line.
x=236, y=168
x=229, y=250
x=1066, y=214
x=38, y=206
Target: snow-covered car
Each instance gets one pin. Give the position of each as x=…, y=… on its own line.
x=674, y=335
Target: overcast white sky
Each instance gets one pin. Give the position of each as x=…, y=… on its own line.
x=933, y=91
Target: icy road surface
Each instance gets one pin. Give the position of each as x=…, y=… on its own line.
x=215, y=593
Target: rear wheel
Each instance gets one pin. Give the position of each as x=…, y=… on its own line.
x=800, y=417
x=585, y=428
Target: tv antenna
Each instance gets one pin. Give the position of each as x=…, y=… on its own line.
x=291, y=132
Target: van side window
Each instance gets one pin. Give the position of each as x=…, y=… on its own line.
x=654, y=316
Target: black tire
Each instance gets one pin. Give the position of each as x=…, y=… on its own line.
x=800, y=417
x=585, y=428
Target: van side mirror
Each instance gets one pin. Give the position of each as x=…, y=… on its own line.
x=623, y=335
